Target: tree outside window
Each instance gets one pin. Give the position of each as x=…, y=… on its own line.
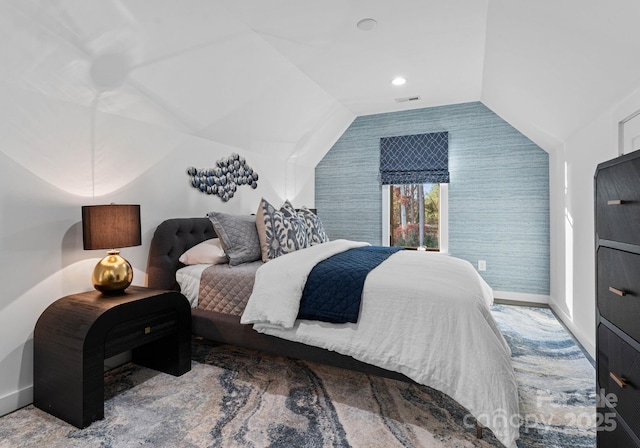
x=415, y=213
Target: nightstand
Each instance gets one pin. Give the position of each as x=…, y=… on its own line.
x=76, y=333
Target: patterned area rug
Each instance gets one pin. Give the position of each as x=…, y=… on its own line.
x=556, y=382
x=239, y=398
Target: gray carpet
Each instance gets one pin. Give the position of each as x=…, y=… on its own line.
x=239, y=398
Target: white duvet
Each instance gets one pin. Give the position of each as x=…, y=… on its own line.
x=423, y=314
x=188, y=278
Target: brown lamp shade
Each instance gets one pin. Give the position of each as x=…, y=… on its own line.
x=111, y=226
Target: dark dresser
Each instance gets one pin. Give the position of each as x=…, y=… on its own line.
x=617, y=225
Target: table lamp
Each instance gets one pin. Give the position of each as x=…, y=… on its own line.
x=111, y=227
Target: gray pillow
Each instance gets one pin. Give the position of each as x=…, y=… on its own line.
x=238, y=236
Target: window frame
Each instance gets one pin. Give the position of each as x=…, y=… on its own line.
x=443, y=223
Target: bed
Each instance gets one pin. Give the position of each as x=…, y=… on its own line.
x=472, y=364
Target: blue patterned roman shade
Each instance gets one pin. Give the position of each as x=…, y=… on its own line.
x=415, y=159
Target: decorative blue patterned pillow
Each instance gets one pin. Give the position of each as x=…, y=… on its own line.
x=280, y=231
x=314, y=227
x=302, y=238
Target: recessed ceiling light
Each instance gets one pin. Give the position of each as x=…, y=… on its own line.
x=367, y=24
x=398, y=81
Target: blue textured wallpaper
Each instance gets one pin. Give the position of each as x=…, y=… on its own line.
x=498, y=192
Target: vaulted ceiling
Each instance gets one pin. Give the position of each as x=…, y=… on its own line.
x=286, y=77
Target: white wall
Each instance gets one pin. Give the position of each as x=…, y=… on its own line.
x=572, y=218
x=41, y=255
x=79, y=128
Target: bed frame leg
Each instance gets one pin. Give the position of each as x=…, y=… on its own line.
x=478, y=431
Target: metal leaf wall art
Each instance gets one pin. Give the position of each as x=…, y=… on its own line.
x=223, y=180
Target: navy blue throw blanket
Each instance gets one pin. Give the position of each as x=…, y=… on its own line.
x=334, y=287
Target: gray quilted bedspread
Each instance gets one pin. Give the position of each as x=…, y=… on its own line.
x=226, y=289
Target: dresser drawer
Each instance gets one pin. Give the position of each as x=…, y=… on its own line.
x=618, y=202
x=611, y=434
x=619, y=374
x=137, y=332
x=619, y=289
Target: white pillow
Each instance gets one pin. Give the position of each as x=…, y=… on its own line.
x=207, y=252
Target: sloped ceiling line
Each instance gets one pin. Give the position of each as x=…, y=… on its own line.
x=215, y=70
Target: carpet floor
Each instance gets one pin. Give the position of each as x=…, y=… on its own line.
x=239, y=398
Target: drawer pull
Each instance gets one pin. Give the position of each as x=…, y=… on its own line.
x=616, y=202
x=618, y=292
x=147, y=330
x=621, y=382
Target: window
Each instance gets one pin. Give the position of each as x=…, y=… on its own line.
x=415, y=215
x=402, y=216
x=414, y=173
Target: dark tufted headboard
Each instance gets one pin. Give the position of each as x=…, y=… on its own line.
x=170, y=240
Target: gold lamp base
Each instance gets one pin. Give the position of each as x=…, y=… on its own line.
x=113, y=274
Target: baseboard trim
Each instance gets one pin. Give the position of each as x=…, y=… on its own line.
x=534, y=299
x=582, y=339
x=16, y=400
x=24, y=397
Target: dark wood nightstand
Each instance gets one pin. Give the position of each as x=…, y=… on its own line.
x=76, y=333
